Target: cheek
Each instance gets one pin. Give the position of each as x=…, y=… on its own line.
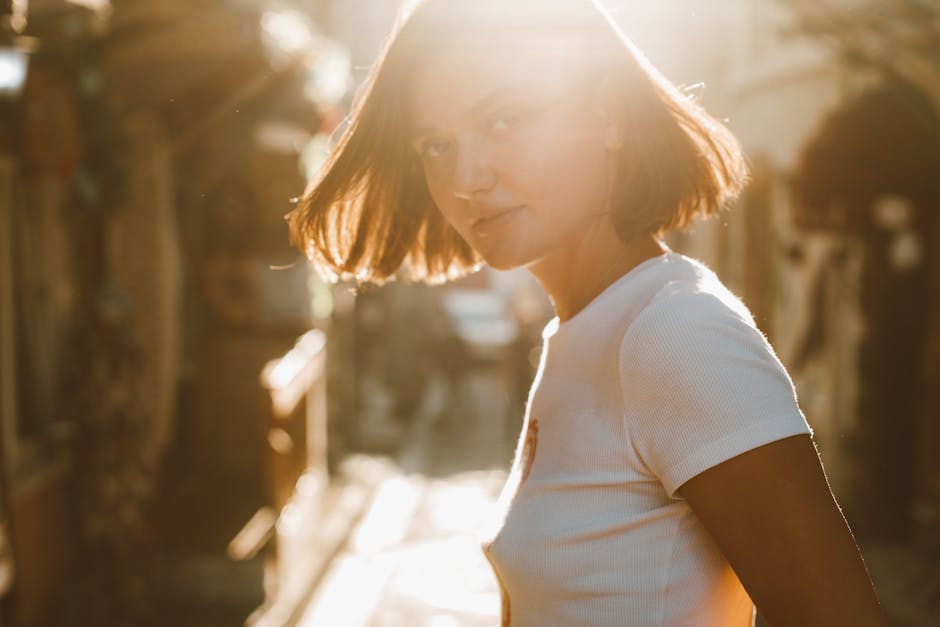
x=442, y=194
x=566, y=171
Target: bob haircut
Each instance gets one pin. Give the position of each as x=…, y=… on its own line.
x=369, y=215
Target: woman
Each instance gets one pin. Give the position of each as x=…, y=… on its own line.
x=665, y=474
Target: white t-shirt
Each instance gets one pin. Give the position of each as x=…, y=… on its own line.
x=660, y=377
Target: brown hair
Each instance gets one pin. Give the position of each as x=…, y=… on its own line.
x=369, y=215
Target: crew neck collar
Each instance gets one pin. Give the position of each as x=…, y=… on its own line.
x=555, y=325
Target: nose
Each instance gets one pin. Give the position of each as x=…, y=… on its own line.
x=473, y=170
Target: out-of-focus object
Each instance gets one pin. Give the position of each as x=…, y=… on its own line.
x=14, y=63
x=6, y=561
x=296, y=470
x=15, y=48
x=6, y=379
x=481, y=319
x=7, y=570
x=896, y=215
x=98, y=6
x=867, y=181
x=289, y=36
x=150, y=270
x=281, y=137
x=885, y=142
x=894, y=38
x=286, y=32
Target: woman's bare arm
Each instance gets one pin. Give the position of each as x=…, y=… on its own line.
x=773, y=515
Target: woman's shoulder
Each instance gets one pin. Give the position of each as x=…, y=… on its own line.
x=692, y=305
x=667, y=295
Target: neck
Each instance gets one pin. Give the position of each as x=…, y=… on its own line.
x=576, y=276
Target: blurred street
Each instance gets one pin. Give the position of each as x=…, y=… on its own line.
x=199, y=429
x=414, y=558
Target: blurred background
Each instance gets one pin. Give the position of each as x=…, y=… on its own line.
x=198, y=431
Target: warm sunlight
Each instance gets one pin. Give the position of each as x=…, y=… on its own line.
x=417, y=544
x=13, y=66
x=469, y=313
x=287, y=30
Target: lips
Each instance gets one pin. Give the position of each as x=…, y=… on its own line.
x=494, y=219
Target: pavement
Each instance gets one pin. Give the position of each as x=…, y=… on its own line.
x=414, y=559
x=411, y=555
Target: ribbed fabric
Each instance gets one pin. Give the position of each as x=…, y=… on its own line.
x=659, y=378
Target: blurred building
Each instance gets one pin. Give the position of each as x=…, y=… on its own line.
x=146, y=278
x=145, y=167
x=834, y=246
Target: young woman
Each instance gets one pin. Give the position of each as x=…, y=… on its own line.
x=665, y=474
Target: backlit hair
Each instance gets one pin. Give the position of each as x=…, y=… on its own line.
x=369, y=215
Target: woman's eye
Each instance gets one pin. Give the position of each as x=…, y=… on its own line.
x=504, y=121
x=433, y=149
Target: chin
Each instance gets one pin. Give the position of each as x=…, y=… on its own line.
x=502, y=265
x=504, y=260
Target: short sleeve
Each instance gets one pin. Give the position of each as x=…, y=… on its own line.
x=701, y=384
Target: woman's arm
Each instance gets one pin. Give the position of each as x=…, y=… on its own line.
x=772, y=514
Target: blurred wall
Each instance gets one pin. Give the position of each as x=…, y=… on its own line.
x=811, y=288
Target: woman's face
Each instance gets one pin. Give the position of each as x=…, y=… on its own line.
x=515, y=147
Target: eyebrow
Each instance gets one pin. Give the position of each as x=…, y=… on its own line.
x=481, y=105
